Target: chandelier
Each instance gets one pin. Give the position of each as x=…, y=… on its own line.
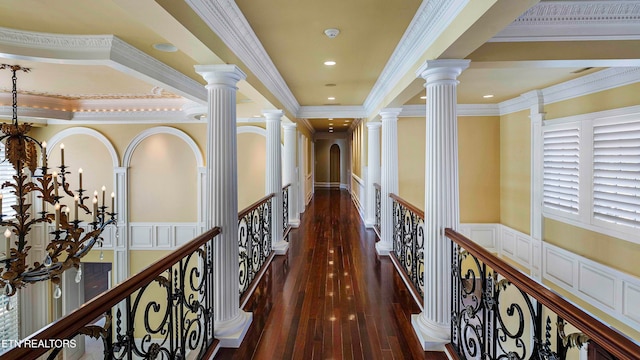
x=69, y=241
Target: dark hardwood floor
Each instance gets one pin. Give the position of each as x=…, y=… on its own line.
x=331, y=296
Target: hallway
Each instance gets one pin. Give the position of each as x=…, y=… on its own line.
x=331, y=296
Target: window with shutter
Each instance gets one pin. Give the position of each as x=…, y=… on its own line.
x=8, y=319
x=561, y=171
x=616, y=173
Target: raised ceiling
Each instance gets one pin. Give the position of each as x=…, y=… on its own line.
x=280, y=44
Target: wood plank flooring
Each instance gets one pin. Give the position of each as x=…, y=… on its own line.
x=331, y=296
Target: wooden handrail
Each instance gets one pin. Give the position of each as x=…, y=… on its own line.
x=406, y=204
x=377, y=186
x=286, y=186
x=69, y=325
x=253, y=206
x=610, y=339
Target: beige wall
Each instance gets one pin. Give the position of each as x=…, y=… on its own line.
x=251, y=168
x=163, y=181
x=479, y=165
x=515, y=171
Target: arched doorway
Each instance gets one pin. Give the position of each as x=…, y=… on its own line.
x=334, y=166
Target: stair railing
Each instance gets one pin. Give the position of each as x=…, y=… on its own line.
x=165, y=311
x=500, y=312
x=255, y=243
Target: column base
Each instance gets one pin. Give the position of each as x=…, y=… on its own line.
x=231, y=333
x=383, y=249
x=431, y=336
x=295, y=223
x=281, y=247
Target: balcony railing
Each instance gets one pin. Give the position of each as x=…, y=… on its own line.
x=165, y=311
x=408, y=242
x=285, y=212
x=378, y=197
x=499, y=312
x=255, y=242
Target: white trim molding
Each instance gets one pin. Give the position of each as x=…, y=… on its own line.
x=161, y=236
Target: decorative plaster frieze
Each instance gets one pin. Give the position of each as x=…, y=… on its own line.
x=227, y=21
x=575, y=20
x=431, y=19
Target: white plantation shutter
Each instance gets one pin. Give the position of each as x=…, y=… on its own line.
x=6, y=174
x=616, y=173
x=561, y=171
x=8, y=319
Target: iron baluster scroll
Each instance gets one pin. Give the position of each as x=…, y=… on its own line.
x=378, y=194
x=254, y=240
x=69, y=242
x=497, y=312
x=408, y=241
x=285, y=212
x=163, y=312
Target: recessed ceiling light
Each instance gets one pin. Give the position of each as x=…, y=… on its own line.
x=423, y=97
x=330, y=130
x=331, y=98
x=330, y=124
x=488, y=96
x=257, y=116
x=331, y=127
x=165, y=47
x=329, y=62
x=345, y=124
x=330, y=118
x=329, y=85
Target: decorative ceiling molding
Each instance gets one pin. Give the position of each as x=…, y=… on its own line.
x=106, y=50
x=431, y=19
x=575, y=20
x=599, y=81
x=307, y=125
x=227, y=21
x=331, y=111
x=462, y=110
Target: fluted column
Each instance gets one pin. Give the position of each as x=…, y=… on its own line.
x=231, y=323
x=433, y=325
x=274, y=178
x=373, y=171
x=388, y=178
x=289, y=171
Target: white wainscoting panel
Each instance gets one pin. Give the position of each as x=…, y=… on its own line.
x=161, y=236
x=357, y=191
x=612, y=291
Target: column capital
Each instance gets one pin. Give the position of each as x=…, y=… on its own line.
x=374, y=125
x=289, y=126
x=273, y=114
x=225, y=74
x=390, y=113
x=446, y=69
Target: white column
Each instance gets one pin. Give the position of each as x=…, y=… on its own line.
x=433, y=325
x=388, y=178
x=373, y=171
x=289, y=173
x=231, y=323
x=273, y=179
x=536, y=115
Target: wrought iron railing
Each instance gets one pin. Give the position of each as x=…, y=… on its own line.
x=408, y=242
x=378, y=207
x=255, y=241
x=163, y=312
x=285, y=212
x=499, y=312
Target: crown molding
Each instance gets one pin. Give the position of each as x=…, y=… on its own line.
x=431, y=19
x=106, y=50
x=575, y=20
x=227, y=21
x=307, y=125
x=331, y=111
x=599, y=81
x=420, y=110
